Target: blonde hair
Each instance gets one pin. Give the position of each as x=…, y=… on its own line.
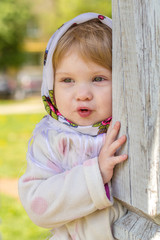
x=92, y=39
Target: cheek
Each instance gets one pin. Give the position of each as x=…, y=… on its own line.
x=106, y=97
x=62, y=101
x=58, y=97
x=106, y=102
x=61, y=105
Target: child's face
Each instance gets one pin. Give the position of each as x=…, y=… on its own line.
x=83, y=90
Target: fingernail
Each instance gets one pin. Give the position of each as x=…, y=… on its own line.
x=117, y=124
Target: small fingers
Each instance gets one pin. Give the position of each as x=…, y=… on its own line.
x=116, y=145
x=118, y=159
x=112, y=133
x=110, y=128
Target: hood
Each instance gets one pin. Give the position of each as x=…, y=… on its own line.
x=48, y=73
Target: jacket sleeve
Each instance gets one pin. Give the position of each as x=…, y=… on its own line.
x=54, y=198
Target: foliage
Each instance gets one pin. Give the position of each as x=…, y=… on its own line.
x=53, y=14
x=73, y=8
x=15, y=224
x=41, y=19
x=14, y=15
x=15, y=133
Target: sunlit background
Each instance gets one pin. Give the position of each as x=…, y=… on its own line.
x=25, y=28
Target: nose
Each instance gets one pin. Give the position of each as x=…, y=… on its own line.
x=84, y=93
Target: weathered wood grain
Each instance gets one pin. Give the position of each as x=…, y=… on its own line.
x=136, y=101
x=133, y=227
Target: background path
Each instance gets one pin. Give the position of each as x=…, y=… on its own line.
x=31, y=105
x=9, y=186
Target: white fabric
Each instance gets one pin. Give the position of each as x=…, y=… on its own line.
x=62, y=188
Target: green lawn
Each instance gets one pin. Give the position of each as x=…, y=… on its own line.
x=15, y=223
x=15, y=131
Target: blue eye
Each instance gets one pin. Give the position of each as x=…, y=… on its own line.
x=98, y=79
x=67, y=80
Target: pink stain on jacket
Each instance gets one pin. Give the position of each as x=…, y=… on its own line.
x=39, y=205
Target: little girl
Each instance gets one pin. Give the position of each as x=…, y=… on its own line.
x=71, y=155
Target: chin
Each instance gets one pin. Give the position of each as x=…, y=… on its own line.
x=85, y=123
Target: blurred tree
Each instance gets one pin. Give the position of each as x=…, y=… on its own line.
x=35, y=21
x=14, y=15
x=53, y=13
x=71, y=8
x=67, y=10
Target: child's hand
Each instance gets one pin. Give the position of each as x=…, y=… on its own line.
x=107, y=159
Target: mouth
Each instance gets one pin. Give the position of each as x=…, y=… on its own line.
x=84, y=112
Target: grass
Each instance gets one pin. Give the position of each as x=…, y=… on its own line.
x=15, y=224
x=15, y=131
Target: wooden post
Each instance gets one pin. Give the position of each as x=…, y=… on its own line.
x=136, y=103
